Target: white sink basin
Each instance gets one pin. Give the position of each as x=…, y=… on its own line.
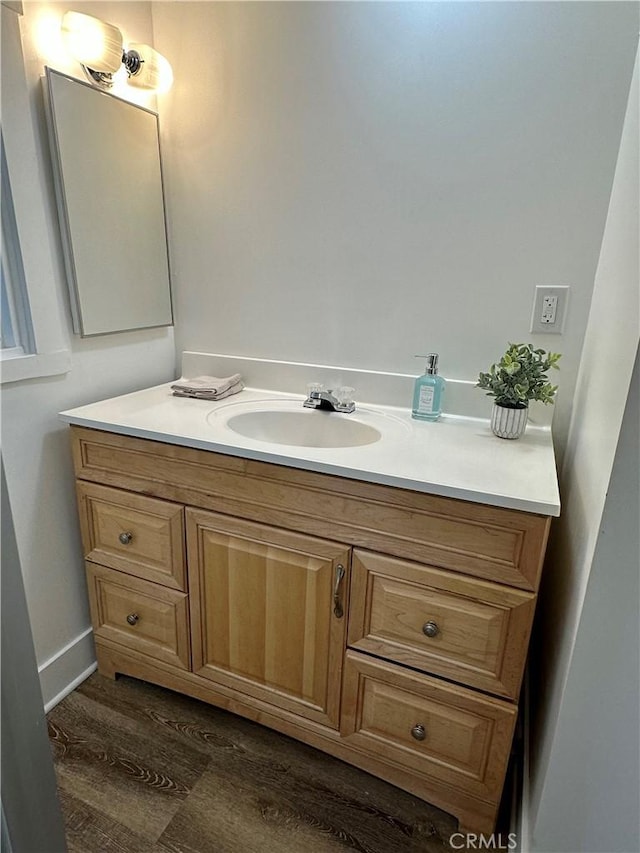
x=304, y=428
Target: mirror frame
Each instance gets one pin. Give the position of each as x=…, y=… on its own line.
x=114, y=242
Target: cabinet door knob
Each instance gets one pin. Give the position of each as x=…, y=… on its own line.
x=430, y=629
x=418, y=732
x=125, y=538
x=338, y=610
x=132, y=618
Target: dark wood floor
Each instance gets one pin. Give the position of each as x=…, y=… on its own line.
x=143, y=770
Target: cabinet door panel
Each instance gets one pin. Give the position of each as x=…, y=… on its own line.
x=263, y=599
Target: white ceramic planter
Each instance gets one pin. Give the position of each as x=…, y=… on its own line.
x=508, y=423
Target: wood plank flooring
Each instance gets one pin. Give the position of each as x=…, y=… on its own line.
x=144, y=770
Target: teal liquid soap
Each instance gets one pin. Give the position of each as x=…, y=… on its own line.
x=428, y=392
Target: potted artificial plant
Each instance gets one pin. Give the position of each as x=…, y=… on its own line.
x=519, y=376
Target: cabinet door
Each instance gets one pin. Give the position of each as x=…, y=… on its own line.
x=263, y=615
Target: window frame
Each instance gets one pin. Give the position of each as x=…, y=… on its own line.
x=48, y=352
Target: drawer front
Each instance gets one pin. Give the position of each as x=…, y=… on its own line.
x=132, y=533
x=424, y=725
x=142, y=616
x=471, y=631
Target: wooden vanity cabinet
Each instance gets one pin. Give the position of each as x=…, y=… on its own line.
x=384, y=626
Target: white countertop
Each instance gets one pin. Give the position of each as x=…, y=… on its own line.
x=456, y=457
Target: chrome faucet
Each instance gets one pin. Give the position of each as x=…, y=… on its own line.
x=341, y=401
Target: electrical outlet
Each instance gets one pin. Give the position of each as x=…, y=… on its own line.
x=549, y=310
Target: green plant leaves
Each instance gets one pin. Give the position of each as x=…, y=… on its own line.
x=520, y=376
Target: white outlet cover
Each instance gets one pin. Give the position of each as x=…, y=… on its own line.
x=538, y=326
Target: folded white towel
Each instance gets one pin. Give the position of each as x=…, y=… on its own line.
x=195, y=395
x=208, y=386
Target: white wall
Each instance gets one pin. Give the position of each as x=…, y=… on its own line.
x=354, y=183
x=35, y=445
x=592, y=785
x=610, y=347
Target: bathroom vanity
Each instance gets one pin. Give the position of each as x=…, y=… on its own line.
x=351, y=597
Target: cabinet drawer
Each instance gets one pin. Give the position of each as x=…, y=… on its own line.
x=134, y=534
x=143, y=616
x=471, y=631
x=434, y=729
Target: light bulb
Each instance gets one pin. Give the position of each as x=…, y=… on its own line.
x=94, y=43
x=147, y=68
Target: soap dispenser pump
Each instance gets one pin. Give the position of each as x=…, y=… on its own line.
x=429, y=390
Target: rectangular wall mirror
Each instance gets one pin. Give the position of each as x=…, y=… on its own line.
x=108, y=176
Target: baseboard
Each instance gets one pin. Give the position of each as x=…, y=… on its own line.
x=68, y=668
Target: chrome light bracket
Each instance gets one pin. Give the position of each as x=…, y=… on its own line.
x=132, y=61
x=103, y=79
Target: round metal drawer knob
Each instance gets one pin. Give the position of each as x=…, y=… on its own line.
x=125, y=538
x=132, y=618
x=418, y=732
x=430, y=629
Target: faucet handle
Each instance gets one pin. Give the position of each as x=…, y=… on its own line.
x=344, y=395
x=314, y=388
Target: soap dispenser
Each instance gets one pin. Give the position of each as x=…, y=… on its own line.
x=429, y=390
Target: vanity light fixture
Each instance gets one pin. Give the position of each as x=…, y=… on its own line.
x=99, y=48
